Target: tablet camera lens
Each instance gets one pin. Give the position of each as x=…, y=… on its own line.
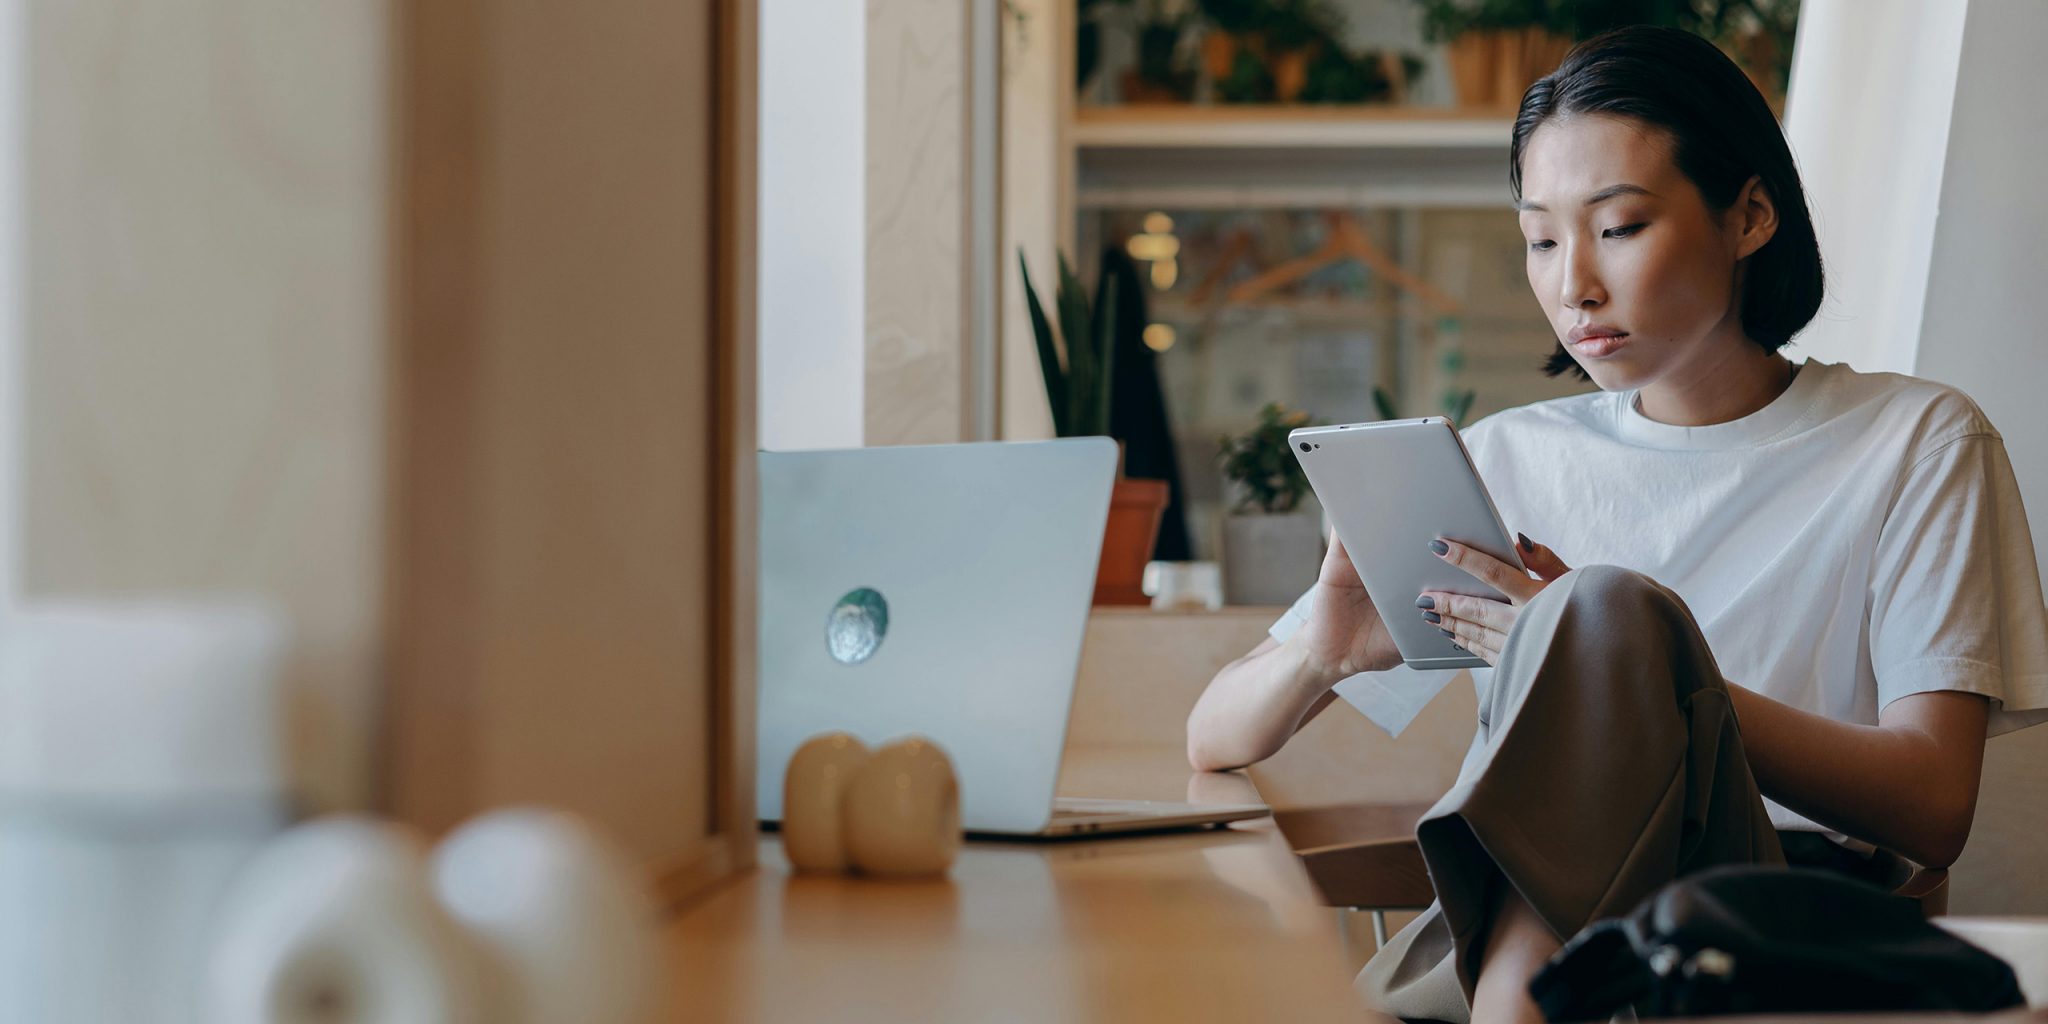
x=1304, y=446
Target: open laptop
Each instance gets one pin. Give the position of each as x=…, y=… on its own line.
x=942, y=590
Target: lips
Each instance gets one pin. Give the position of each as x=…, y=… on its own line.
x=1596, y=340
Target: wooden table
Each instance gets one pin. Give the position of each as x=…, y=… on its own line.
x=1213, y=926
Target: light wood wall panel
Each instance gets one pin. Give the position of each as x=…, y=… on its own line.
x=1037, y=169
x=917, y=150
x=206, y=321
x=572, y=545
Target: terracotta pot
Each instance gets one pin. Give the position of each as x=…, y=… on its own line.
x=1526, y=55
x=1135, y=508
x=1290, y=74
x=1135, y=88
x=1219, y=52
x=1474, y=66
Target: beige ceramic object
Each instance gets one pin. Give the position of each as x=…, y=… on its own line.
x=813, y=789
x=902, y=811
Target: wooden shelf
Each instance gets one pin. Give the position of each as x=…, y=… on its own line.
x=1196, y=126
x=1237, y=157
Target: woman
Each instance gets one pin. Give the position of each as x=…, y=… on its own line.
x=1838, y=561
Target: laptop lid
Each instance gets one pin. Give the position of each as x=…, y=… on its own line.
x=940, y=590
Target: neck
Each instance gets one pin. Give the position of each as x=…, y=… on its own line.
x=1735, y=381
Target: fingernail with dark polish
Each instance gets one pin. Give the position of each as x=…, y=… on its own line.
x=1440, y=547
x=1431, y=617
x=1425, y=602
x=1446, y=632
x=1527, y=544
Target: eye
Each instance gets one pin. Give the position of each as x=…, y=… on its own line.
x=1623, y=231
x=1542, y=245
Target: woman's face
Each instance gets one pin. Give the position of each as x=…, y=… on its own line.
x=1637, y=275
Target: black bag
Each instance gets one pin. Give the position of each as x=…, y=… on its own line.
x=1752, y=939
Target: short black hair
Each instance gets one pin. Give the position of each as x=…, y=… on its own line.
x=1722, y=133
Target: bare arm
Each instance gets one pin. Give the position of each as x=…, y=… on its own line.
x=1908, y=783
x=1254, y=705
x=1256, y=702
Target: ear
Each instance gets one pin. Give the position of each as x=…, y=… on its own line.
x=1753, y=217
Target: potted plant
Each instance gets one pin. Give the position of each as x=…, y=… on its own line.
x=1498, y=48
x=1295, y=33
x=1088, y=15
x=1161, y=76
x=1078, y=390
x=1232, y=24
x=1272, y=544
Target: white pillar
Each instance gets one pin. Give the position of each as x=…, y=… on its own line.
x=1868, y=116
x=1922, y=140
x=1985, y=326
x=813, y=203
x=1922, y=137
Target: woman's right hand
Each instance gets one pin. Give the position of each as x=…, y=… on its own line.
x=1256, y=702
x=1344, y=634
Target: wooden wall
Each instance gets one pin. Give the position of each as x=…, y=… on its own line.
x=916, y=382
x=570, y=553
x=431, y=323
x=1037, y=174
x=205, y=300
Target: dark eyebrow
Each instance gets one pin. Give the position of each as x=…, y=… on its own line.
x=1596, y=198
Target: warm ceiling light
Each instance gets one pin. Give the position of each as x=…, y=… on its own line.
x=1149, y=248
x=1164, y=273
x=1157, y=223
x=1159, y=337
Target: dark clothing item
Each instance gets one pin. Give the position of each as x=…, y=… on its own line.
x=1747, y=939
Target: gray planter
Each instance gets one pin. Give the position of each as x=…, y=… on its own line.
x=1270, y=560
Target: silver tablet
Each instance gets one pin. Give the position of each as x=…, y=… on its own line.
x=1389, y=489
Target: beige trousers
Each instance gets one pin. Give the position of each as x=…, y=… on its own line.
x=1606, y=763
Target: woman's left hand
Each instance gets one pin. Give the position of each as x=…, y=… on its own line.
x=1481, y=624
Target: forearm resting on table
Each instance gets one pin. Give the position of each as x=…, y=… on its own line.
x=1253, y=706
x=1908, y=784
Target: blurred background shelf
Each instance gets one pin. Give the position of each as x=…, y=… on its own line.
x=1204, y=126
x=1271, y=157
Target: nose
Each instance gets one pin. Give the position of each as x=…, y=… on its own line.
x=1581, y=287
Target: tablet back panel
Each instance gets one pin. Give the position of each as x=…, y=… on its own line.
x=1389, y=489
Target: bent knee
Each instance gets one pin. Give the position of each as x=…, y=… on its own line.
x=1614, y=588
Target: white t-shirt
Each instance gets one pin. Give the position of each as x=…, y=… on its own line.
x=1858, y=540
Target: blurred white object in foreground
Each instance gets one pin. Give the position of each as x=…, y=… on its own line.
x=141, y=763
x=334, y=922
x=145, y=701
x=562, y=916
x=522, y=917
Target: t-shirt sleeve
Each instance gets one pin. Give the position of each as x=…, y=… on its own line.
x=1295, y=617
x=1955, y=598
x=1391, y=699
